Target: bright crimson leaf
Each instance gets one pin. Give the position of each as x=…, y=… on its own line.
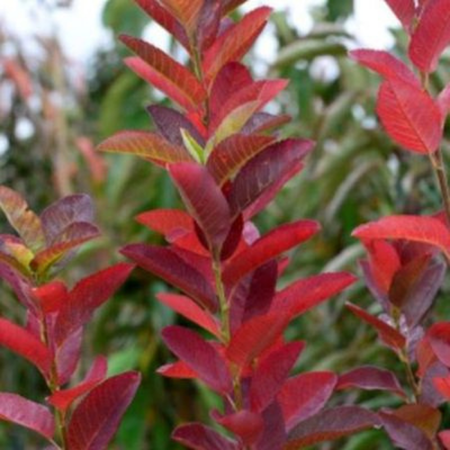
x=444, y=437
x=268, y=247
x=146, y=145
x=187, y=308
x=166, y=74
x=304, y=294
x=62, y=399
x=245, y=424
x=431, y=36
x=51, y=296
x=305, y=395
x=165, y=263
x=177, y=369
x=405, y=11
x=410, y=116
x=96, y=418
x=204, y=199
x=331, y=424
x=172, y=223
x=200, y=356
x=427, y=230
x=389, y=335
x=439, y=338
x=24, y=412
x=22, y=342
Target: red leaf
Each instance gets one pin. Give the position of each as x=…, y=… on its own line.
x=389, y=335
x=165, y=263
x=165, y=19
x=271, y=168
x=95, y=420
x=51, y=296
x=62, y=399
x=410, y=116
x=370, y=378
x=172, y=223
x=146, y=145
x=199, y=437
x=187, y=308
x=89, y=293
x=302, y=295
x=186, y=11
x=331, y=424
x=177, y=369
x=67, y=356
x=233, y=153
x=431, y=36
x=305, y=395
x=24, y=412
x=268, y=247
x=204, y=199
x=200, y=356
x=271, y=373
x=443, y=101
x=163, y=72
x=25, y=344
x=405, y=10
x=245, y=424
x=442, y=384
x=255, y=336
x=385, y=64
x=439, y=338
x=444, y=437
x=427, y=230
x=234, y=43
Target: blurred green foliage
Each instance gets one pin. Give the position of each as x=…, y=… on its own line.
x=355, y=175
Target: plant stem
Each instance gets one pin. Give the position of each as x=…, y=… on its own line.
x=403, y=355
x=437, y=161
x=223, y=302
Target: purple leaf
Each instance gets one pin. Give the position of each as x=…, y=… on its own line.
x=199, y=437
x=24, y=412
x=274, y=434
x=245, y=424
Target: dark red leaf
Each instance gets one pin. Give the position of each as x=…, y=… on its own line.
x=389, y=335
x=304, y=395
x=145, y=145
x=234, y=43
x=439, y=338
x=255, y=336
x=89, y=293
x=62, y=399
x=177, y=369
x=429, y=392
x=263, y=121
x=68, y=355
x=370, y=378
x=431, y=36
x=302, y=295
x=170, y=122
x=268, y=247
x=265, y=171
x=271, y=373
x=410, y=116
x=427, y=230
x=172, y=223
x=22, y=342
x=187, y=308
x=331, y=424
x=274, y=434
x=200, y=356
x=165, y=263
x=204, y=199
x=24, y=412
x=166, y=74
x=245, y=424
x=95, y=420
x=199, y=437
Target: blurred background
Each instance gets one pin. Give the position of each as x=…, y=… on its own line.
x=63, y=88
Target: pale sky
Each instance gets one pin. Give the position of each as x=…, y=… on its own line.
x=81, y=32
